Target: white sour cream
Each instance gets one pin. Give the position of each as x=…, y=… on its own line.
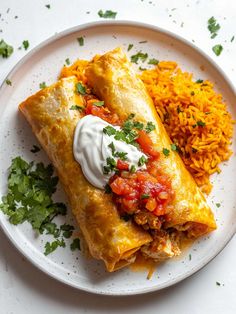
x=90, y=148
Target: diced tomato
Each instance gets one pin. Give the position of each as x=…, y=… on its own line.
x=122, y=165
x=159, y=210
x=151, y=204
x=120, y=186
x=146, y=144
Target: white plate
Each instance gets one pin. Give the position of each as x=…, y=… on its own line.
x=43, y=64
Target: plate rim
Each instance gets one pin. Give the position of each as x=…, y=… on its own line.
x=126, y=23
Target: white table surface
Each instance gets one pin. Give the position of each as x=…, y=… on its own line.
x=25, y=289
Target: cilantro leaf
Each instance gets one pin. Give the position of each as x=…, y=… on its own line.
x=98, y=103
x=51, y=247
x=201, y=123
x=108, y=14
x=5, y=49
x=67, y=61
x=80, y=88
x=67, y=230
x=142, y=161
x=109, y=130
x=144, y=196
x=150, y=127
x=153, y=61
x=8, y=82
x=42, y=85
x=217, y=49
x=166, y=151
x=174, y=147
x=130, y=47
x=75, y=244
x=48, y=6
x=213, y=27
x=76, y=107
x=25, y=44
x=81, y=41
x=139, y=56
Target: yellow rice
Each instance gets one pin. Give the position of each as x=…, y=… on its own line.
x=193, y=114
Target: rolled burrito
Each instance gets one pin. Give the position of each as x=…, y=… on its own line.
x=109, y=237
x=115, y=81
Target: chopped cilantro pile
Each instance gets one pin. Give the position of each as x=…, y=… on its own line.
x=217, y=49
x=5, y=49
x=29, y=198
x=139, y=56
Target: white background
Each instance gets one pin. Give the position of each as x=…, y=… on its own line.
x=23, y=288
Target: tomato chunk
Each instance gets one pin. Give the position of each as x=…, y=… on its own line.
x=146, y=144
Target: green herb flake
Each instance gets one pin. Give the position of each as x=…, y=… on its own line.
x=213, y=26
x=139, y=56
x=81, y=41
x=153, y=61
x=218, y=205
x=121, y=155
x=80, y=88
x=232, y=39
x=67, y=61
x=109, y=130
x=130, y=47
x=8, y=82
x=108, y=14
x=174, y=147
x=133, y=169
x=190, y=257
x=76, y=107
x=142, y=161
x=48, y=6
x=75, y=245
x=112, y=147
x=166, y=151
x=142, y=42
x=201, y=123
x=35, y=149
x=5, y=49
x=217, y=49
x=98, y=103
x=142, y=69
x=25, y=44
x=150, y=127
x=138, y=125
x=67, y=230
x=218, y=283
x=51, y=247
x=42, y=85
x=199, y=81
x=144, y=196
x=108, y=189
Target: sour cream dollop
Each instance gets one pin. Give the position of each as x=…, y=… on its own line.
x=91, y=150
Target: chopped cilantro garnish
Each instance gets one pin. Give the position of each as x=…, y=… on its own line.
x=5, y=49
x=67, y=61
x=150, y=127
x=108, y=189
x=153, y=61
x=232, y=39
x=111, y=165
x=81, y=41
x=199, y=81
x=174, y=147
x=75, y=244
x=42, y=85
x=67, y=230
x=144, y=196
x=76, y=107
x=8, y=82
x=112, y=147
x=48, y=6
x=201, y=123
x=109, y=130
x=130, y=47
x=80, y=88
x=108, y=14
x=218, y=205
x=217, y=283
x=166, y=151
x=25, y=44
x=133, y=169
x=51, y=247
x=217, y=49
x=213, y=27
x=190, y=257
x=142, y=161
x=121, y=155
x=139, y=56
x=131, y=116
x=35, y=149
x=98, y=103
x=142, y=69
x=138, y=125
